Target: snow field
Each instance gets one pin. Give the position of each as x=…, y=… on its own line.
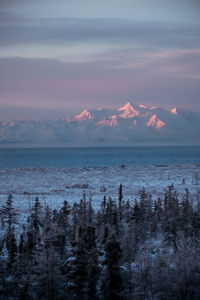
x=53, y=186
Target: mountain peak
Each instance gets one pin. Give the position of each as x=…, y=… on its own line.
x=84, y=115
x=127, y=106
x=155, y=122
x=128, y=111
x=174, y=111
x=128, y=125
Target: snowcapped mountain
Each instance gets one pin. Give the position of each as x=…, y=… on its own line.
x=173, y=111
x=129, y=125
x=155, y=122
x=111, y=121
x=85, y=115
x=128, y=111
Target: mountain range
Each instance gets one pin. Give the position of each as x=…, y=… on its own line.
x=129, y=125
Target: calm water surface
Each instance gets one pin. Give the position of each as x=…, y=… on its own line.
x=92, y=157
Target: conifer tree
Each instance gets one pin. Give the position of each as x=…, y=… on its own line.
x=9, y=214
x=112, y=286
x=92, y=261
x=186, y=214
x=81, y=253
x=120, y=202
x=10, y=219
x=35, y=218
x=78, y=272
x=64, y=216
x=11, y=246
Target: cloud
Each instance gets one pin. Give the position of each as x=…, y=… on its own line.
x=78, y=30
x=173, y=61
x=47, y=83
x=72, y=54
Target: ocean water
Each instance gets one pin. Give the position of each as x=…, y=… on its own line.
x=94, y=157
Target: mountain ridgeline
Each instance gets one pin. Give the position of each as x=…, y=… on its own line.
x=128, y=125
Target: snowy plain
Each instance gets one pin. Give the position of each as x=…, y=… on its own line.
x=54, y=185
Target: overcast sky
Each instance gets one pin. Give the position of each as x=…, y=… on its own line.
x=58, y=57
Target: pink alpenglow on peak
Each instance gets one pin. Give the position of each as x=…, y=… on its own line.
x=110, y=122
x=154, y=122
x=174, y=111
x=85, y=115
x=160, y=124
x=128, y=111
x=143, y=106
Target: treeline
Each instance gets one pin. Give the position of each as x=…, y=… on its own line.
x=139, y=249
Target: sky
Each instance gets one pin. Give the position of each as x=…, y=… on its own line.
x=59, y=57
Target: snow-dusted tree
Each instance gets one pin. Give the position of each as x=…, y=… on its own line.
x=33, y=231
x=92, y=261
x=120, y=202
x=186, y=276
x=35, y=216
x=171, y=216
x=78, y=267
x=63, y=217
x=162, y=275
x=109, y=209
x=9, y=213
x=142, y=275
x=186, y=215
x=112, y=285
x=11, y=246
x=75, y=220
x=127, y=211
x=48, y=260
x=10, y=219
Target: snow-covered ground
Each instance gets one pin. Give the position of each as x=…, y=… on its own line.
x=52, y=186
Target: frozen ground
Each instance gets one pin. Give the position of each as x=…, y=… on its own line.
x=52, y=186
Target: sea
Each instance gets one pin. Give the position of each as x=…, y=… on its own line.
x=93, y=157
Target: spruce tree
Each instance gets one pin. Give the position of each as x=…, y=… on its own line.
x=92, y=262
x=9, y=213
x=10, y=219
x=112, y=286
x=120, y=202
x=78, y=267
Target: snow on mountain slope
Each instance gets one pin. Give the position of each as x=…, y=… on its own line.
x=111, y=121
x=173, y=111
x=155, y=122
x=128, y=111
x=143, y=106
x=128, y=125
x=85, y=115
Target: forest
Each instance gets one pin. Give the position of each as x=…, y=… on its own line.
x=138, y=249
